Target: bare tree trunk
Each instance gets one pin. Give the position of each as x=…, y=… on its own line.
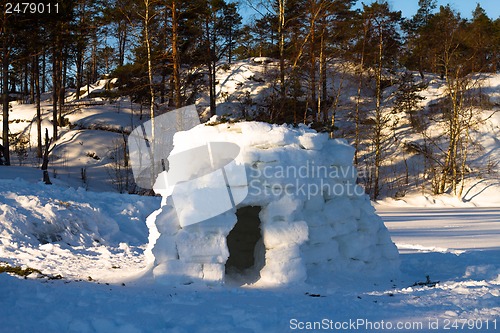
x=335, y=106
x=211, y=64
x=32, y=83
x=45, y=163
x=281, y=42
x=79, y=72
x=323, y=84
x=147, y=40
x=463, y=167
x=55, y=86
x=122, y=41
x=36, y=78
x=93, y=58
x=147, y=18
x=25, y=91
x=450, y=164
x=44, y=60
x=312, y=71
x=358, y=99
x=62, y=85
x=378, y=121
x=28, y=83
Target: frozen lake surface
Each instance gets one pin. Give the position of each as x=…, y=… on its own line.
x=441, y=229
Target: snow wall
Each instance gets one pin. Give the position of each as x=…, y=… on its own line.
x=314, y=219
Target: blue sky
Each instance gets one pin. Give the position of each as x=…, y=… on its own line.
x=409, y=7
x=465, y=7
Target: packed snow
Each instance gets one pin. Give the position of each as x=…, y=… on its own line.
x=70, y=232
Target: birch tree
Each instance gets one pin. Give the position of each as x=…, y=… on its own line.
x=383, y=25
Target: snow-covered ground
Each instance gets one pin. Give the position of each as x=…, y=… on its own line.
x=466, y=295
x=457, y=248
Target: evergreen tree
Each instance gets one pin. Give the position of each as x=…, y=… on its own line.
x=444, y=38
x=417, y=37
x=407, y=98
x=230, y=26
x=480, y=38
x=218, y=38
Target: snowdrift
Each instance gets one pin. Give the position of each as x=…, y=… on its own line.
x=35, y=213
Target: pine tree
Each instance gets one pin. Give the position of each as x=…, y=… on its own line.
x=230, y=26
x=218, y=38
x=480, y=38
x=417, y=37
x=407, y=98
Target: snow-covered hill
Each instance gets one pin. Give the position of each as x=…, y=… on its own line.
x=91, y=146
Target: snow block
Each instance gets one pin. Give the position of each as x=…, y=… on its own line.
x=167, y=222
x=284, y=234
x=202, y=248
x=322, y=252
x=165, y=249
x=283, y=266
x=321, y=234
x=213, y=273
x=313, y=141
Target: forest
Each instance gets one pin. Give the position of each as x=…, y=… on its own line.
x=164, y=53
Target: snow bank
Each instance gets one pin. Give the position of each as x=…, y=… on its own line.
x=313, y=216
x=35, y=213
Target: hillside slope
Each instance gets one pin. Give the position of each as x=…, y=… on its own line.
x=90, y=149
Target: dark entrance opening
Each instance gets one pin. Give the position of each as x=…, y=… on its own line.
x=246, y=252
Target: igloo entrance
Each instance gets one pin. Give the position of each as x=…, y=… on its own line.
x=244, y=242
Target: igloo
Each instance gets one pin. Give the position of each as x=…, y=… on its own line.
x=274, y=203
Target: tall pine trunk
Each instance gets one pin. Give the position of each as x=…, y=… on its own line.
x=5, y=92
x=312, y=72
x=175, y=55
x=322, y=98
x=147, y=40
x=211, y=64
x=55, y=85
x=281, y=42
